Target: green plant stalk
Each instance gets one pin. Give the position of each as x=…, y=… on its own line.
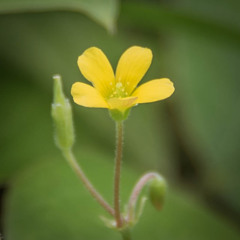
x=126, y=234
x=117, y=173
x=76, y=167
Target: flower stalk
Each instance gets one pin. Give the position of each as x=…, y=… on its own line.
x=126, y=234
x=117, y=175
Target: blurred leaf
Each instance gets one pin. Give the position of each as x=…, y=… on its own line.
x=47, y=202
x=206, y=72
x=27, y=129
x=225, y=12
x=171, y=16
x=104, y=11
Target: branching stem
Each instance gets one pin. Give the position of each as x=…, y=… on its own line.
x=76, y=167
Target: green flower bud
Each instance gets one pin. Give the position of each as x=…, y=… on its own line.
x=62, y=116
x=157, y=191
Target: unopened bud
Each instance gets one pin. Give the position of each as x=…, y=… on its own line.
x=157, y=191
x=62, y=116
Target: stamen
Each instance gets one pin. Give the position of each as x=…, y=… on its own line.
x=119, y=85
x=119, y=91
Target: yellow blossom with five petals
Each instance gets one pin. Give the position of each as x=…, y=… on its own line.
x=118, y=92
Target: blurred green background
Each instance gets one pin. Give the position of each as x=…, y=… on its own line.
x=191, y=138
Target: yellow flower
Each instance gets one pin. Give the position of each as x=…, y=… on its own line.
x=118, y=92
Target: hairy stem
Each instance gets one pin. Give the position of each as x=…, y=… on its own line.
x=118, y=158
x=126, y=234
x=76, y=167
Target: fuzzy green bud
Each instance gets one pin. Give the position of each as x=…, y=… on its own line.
x=157, y=191
x=62, y=116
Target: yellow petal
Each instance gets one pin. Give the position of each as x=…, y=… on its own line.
x=87, y=96
x=122, y=103
x=96, y=68
x=154, y=90
x=132, y=66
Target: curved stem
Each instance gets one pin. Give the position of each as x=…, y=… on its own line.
x=76, y=167
x=136, y=192
x=118, y=158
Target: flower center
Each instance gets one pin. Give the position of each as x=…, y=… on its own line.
x=119, y=91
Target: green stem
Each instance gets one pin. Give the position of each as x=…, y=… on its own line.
x=76, y=167
x=126, y=234
x=118, y=159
